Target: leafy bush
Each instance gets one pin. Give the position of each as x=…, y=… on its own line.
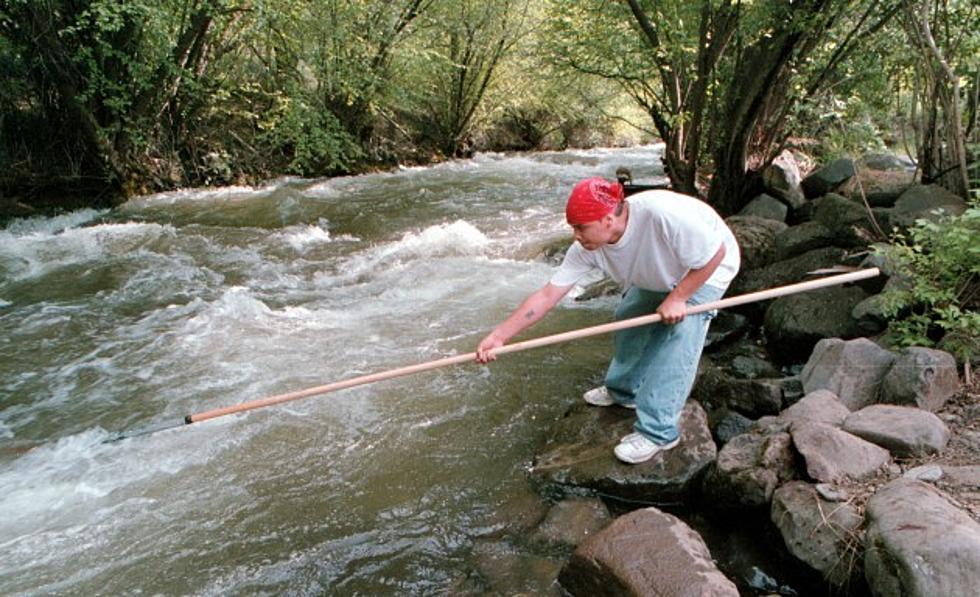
x=938, y=299
x=313, y=139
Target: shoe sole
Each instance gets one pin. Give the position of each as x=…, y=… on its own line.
x=611, y=403
x=639, y=460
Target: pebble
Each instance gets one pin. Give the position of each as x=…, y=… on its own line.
x=832, y=494
x=928, y=472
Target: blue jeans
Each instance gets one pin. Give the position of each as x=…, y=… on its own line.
x=655, y=365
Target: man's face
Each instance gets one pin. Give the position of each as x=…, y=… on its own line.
x=593, y=235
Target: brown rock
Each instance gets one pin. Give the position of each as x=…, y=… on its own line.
x=646, y=552
x=832, y=454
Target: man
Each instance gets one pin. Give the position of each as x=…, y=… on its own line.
x=669, y=251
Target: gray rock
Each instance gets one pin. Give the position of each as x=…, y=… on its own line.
x=766, y=206
x=923, y=377
x=794, y=324
x=726, y=424
x=646, y=552
x=573, y=520
x=926, y=472
x=870, y=315
x=751, y=397
x=792, y=389
x=819, y=532
x=787, y=271
x=782, y=179
x=828, y=178
x=887, y=162
x=756, y=239
x=923, y=201
x=748, y=470
x=903, y=430
x=831, y=454
x=819, y=406
x=847, y=220
x=851, y=369
x=885, y=198
x=918, y=544
x=801, y=238
x=751, y=367
x=579, y=458
x=727, y=326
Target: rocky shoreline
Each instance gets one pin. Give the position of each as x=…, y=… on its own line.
x=864, y=461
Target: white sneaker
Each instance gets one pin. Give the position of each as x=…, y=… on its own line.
x=636, y=448
x=600, y=397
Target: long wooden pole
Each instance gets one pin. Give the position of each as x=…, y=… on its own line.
x=516, y=347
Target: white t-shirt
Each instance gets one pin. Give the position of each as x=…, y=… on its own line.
x=667, y=235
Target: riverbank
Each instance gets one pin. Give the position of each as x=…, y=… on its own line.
x=835, y=455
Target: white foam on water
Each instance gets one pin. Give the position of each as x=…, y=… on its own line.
x=41, y=250
x=236, y=192
x=443, y=240
x=51, y=225
x=303, y=237
x=53, y=480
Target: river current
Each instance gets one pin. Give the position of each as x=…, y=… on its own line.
x=182, y=302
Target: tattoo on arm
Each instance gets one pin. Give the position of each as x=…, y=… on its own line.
x=529, y=314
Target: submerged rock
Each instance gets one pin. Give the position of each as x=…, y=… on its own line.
x=646, y=552
x=919, y=545
x=579, y=459
x=508, y=570
x=572, y=521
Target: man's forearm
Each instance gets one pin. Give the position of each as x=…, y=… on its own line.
x=534, y=307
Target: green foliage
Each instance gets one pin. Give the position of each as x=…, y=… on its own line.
x=938, y=263
x=139, y=93
x=314, y=141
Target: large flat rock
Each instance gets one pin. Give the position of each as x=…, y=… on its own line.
x=919, y=545
x=579, y=458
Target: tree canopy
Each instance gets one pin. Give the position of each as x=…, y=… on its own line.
x=108, y=98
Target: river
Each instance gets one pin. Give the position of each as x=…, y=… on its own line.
x=181, y=302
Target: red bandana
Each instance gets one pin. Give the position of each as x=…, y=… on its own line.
x=592, y=199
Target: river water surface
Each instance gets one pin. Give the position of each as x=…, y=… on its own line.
x=182, y=302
